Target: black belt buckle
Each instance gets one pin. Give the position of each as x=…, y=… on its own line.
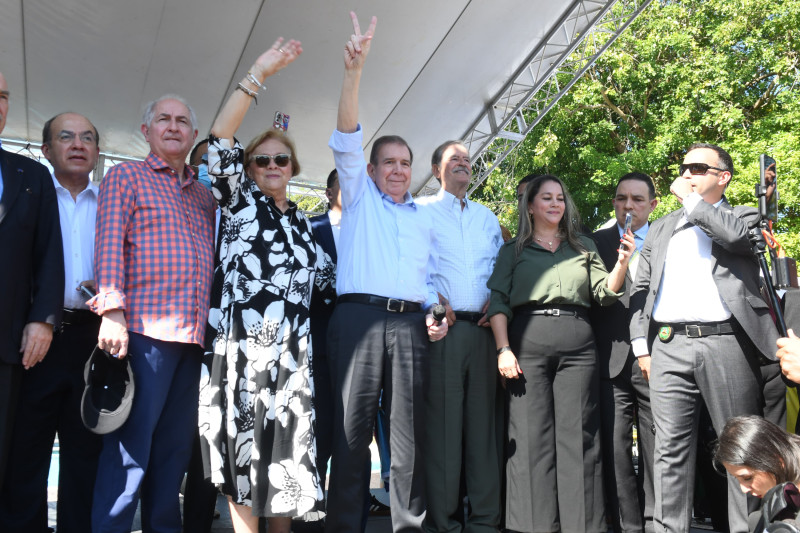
x=395, y=306
x=693, y=331
x=552, y=312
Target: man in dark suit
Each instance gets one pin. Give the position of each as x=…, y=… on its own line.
x=31, y=278
x=50, y=394
x=624, y=391
x=326, y=232
x=697, y=310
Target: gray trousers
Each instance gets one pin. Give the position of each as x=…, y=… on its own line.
x=461, y=427
x=371, y=349
x=723, y=370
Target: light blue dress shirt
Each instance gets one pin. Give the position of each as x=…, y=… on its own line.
x=467, y=248
x=386, y=249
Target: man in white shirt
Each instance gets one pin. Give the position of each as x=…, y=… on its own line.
x=698, y=314
x=461, y=395
x=50, y=395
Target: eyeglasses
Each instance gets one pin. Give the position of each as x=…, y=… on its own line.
x=69, y=136
x=263, y=160
x=696, y=169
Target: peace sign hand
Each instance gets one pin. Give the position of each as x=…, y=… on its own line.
x=357, y=48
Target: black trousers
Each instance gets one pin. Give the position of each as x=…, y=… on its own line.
x=199, y=495
x=369, y=349
x=50, y=403
x=10, y=380
x=625, y=400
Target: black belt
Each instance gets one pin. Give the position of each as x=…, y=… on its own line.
x=390, y=304
x=695, y=331
x=468, y=316
x=552, y=310
x=78, y=317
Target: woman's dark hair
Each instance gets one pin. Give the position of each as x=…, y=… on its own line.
x=755, y=443
x=569, y=227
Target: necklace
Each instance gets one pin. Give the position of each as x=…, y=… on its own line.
x=549, y=242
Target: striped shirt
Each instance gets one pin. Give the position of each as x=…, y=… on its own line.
x=154, y=250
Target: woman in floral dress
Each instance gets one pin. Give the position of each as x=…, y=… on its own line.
x=256, y=418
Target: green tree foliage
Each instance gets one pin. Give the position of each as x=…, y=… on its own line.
x=720, y=71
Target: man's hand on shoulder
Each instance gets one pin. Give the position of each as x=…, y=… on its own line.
x=113, y=336
x=36, y=339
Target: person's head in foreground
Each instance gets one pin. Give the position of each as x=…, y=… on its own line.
x=758, y=454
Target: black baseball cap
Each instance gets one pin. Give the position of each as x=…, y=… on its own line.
x=108, y=396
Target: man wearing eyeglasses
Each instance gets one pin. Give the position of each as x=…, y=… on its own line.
x=700, y=327
x=50, y=396
x=31, y=275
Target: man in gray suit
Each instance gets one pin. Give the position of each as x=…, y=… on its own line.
x=700, y=323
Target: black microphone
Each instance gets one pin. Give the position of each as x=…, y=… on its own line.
x=439, y=312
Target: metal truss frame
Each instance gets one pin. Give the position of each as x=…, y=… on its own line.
x=587, y=29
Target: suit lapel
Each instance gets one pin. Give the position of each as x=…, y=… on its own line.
x=660, y=247
x=12, y=181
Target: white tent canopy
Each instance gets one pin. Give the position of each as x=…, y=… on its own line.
x=434, y=68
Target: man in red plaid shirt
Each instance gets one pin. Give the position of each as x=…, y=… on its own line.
x=154, y=252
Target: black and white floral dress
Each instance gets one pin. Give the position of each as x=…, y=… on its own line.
x=256, y=418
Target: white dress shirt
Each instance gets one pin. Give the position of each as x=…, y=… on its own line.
x=77, y=219
x=468, y=242
x=688, y=292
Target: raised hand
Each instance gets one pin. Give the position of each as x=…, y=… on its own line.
x=357, y=48
x=276, y=57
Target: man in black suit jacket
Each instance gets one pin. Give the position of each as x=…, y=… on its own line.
x=31, y=276
x=321, y=310
x=624, y=391
x=696, y=308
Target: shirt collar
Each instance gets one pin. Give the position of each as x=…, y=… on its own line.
x=91, y=187
x=156, y=163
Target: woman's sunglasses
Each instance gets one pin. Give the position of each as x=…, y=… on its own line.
x=263, y=160
x=696, y=169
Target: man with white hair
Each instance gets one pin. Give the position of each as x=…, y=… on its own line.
x=154, y=253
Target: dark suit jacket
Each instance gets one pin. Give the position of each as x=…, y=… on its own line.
x=735, y=270
x=610, y=323
x=322, y=304
x=32, y=267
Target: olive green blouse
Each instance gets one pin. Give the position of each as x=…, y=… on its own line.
x=541, y=277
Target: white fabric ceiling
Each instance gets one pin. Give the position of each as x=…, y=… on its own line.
x=432, y=69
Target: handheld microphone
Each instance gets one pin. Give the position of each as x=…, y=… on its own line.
x=439, y=312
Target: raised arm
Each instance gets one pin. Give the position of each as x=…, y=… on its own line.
x=268, y=63
x=355, y=53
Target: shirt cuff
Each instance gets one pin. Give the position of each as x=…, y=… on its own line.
x=691, y=201
x=107, y=301
x=639, y=346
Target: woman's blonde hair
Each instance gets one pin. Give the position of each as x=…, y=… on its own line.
x=279, y=136
x=569, y=227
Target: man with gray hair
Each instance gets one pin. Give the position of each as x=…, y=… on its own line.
x=154, y=253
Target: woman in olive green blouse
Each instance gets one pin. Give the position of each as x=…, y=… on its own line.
x=542, y=286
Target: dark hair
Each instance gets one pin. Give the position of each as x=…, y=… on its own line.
x=753, y=442
x=279, y=136
x=333, y=177
x=527, y=179
x=388, y=139
x=644, y=178
x=46, y=133
x=569, y=227
x=195, y=150
x=725, y=161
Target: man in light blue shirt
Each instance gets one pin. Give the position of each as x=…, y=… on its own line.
x=464, y=411
x=378, y=335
